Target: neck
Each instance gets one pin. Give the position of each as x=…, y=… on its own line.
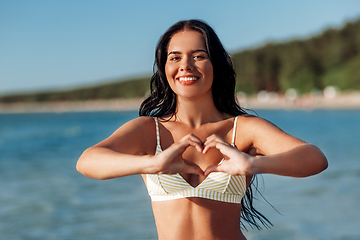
x=196, y=112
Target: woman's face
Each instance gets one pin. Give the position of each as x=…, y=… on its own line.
x=188, y=68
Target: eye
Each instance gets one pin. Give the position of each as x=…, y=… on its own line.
x=174, y=58
x=200, y=57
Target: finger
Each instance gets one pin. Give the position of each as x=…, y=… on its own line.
x=177, y=148
x=210, y=142
x=193, y=141
x=214, y=142
x=207, y=146
x=198, y=145
x=190, y=137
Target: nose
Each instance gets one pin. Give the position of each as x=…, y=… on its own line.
x=186, y=64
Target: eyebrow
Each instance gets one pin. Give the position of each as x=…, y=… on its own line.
x=194, y=51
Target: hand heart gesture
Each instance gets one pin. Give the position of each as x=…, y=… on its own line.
x=234, y=162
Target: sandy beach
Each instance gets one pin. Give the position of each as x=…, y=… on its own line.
x=332, y=100
x=263, y=100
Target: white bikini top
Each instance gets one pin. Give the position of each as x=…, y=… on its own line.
x=218, y=186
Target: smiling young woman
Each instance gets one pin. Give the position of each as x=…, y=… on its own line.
x=196, y=148
x=188, y=67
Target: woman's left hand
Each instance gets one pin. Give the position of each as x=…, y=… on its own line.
x=234, y=162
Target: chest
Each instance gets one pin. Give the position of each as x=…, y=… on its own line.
x=169, y=135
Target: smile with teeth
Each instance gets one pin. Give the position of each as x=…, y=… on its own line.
x=187, y=79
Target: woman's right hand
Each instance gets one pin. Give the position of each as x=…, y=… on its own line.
x=170, y=161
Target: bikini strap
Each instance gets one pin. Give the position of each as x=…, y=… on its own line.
x=157, y=131
x=234, y=131
x=158, y=146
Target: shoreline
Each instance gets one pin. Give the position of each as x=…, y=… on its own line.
x=263, y=100
x=313, y=101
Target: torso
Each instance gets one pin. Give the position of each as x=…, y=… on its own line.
x=182, y=218
x=198, y=219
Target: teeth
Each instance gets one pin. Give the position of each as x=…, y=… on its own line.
x=186, y=79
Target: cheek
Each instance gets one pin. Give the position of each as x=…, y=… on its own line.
x=209, y=71
x=170, y=71
x=206, y=67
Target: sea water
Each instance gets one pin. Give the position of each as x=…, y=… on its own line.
x=42, y=195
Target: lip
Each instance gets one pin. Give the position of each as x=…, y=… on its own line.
x=187, y=80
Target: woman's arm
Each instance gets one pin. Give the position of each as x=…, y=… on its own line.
x=277, y=152
x=130, y=150
x=125, y=152
x=104, y=163
x=282, y=153
x=302, y=161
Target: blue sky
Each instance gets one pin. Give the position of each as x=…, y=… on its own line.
x=56, y=44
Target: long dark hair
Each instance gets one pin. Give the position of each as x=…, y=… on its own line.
x=162, y=100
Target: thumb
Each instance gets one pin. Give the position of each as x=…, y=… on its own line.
x=212, y=168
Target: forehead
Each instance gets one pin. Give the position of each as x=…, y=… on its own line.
x=187, y=40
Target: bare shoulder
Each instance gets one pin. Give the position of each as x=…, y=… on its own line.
x=138, y=127
x=137, y=135
x=254, y=122
x=265, y=136
x=139, y=124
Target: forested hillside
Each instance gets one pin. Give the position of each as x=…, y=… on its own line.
x=122, y=89
x=330, y=58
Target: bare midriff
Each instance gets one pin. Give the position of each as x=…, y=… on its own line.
x=197, y=219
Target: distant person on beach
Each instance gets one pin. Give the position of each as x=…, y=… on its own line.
x=195, y=147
